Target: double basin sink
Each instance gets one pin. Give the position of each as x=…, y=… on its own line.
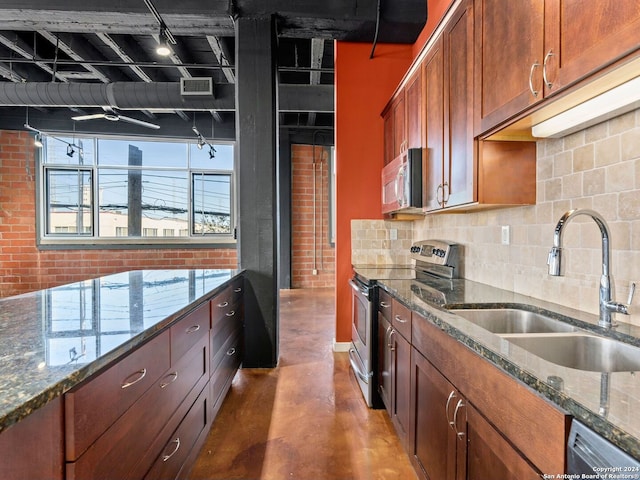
x=555, y=341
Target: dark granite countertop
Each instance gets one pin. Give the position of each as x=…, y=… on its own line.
x=52, y=339
x=607, y=403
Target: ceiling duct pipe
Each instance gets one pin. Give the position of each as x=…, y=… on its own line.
x=118, y=95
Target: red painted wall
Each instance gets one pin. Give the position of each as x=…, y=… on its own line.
x=24, y=268
x=363, y=88
x=303, y=193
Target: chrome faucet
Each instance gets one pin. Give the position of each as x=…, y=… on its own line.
x=607, y=306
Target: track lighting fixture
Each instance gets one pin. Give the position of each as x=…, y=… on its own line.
x=212, y=152
x=166, y=38
x=200, y=143
x=70, y=150
x=163, y=45
x=38, y=140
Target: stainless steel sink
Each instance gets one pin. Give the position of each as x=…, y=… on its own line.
x=511, y=320
x=581, y=351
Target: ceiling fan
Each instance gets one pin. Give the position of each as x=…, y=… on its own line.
x=112, y=116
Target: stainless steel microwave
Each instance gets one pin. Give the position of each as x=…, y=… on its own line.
x=402, y=183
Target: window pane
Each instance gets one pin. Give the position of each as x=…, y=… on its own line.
x=69, y=202
x=60, y=153
x=211, y=203
x=137, y=203
x=140, y=153
x=222, y=160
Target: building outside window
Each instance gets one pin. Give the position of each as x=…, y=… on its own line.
x=115, y=190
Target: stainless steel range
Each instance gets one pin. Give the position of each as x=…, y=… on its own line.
x=432, y=258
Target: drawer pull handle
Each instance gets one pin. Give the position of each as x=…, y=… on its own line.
x=459, y=405
x=174, y=377
x=177, y=447
x=400, y=319
x=140, y=373
x=223, y=304
x=231, y=313
x=193, y=328
x=384, y=305
x=237, y=290
x=231, y=351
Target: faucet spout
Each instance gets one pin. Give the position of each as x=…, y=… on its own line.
x=607, y=306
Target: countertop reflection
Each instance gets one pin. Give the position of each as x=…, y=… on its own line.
x=52, y=339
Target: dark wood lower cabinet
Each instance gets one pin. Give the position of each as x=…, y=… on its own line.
x=401, y=385
x=489, y=455
x=384, y=361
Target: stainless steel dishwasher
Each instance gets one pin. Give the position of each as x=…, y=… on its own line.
x=588, y=453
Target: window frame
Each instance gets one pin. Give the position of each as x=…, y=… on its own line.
x=45, y=240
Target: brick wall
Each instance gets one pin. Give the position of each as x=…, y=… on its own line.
x=24, y=268
x=303, y=260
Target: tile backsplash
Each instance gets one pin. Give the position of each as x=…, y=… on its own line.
x=380, y=242
x=596, y=168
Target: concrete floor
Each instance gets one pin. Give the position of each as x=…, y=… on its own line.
x=305, y=419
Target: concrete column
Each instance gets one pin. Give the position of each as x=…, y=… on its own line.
x=256, y=154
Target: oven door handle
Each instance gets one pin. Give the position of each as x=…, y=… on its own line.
x=362, y=290
x=354, y=360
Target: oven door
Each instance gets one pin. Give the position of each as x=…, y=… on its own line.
x=360, y=353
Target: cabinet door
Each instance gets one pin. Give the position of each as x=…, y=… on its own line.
x=401, y=378
x=388, y=136
x=399, y=132
x=489, y=455
x=509, y=53
x=581, y=40
x=433, y=160
x=460, y=167
x=384, y=361
x=432, y=440
x=414, y=110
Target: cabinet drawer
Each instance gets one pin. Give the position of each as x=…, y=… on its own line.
x=228, y=365
x=92, y=407
x=222, y=306
x=188, y=331
x=175, y=452
x=118, y=453
x=401, y=319
x=229, y=326
x=384, y=304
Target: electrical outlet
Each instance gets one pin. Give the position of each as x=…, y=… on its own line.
x=393, y=234
x=505, y=235
x=315, y=271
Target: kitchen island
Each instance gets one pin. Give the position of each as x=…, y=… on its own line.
x=608, y=402
x=55, y=342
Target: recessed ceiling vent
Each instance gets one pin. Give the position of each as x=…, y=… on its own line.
x=202, y=86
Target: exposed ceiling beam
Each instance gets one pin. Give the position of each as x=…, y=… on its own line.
x=9, y=74
x=306, y=98
x=21, y=48
x=113, y=45
x=218, y=51
x=59, y=43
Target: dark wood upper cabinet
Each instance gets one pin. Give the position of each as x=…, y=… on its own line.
x=580, y=39
x=528, y=50
x=414, y=110
x=509, y=53
x=433, y=159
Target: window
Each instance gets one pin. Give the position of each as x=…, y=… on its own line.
x=115, y=190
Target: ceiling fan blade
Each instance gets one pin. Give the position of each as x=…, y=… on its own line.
x=135, y=121
x=88, y=117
